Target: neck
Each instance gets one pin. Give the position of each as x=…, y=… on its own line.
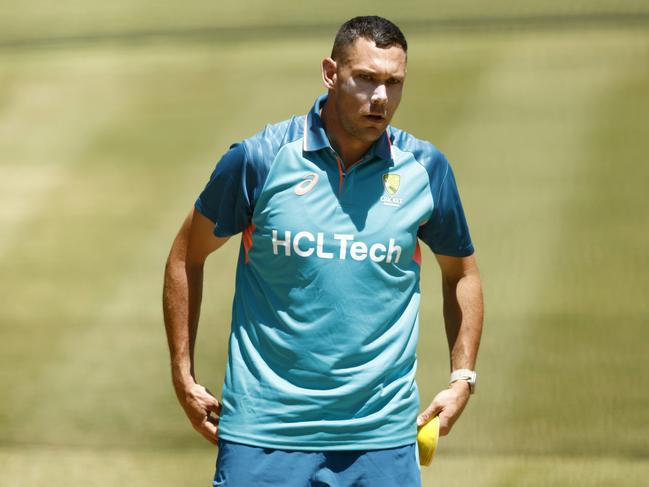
x=347, y=147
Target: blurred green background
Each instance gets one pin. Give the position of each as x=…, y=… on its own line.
x=112, y=115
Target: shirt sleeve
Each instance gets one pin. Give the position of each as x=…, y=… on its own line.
x=447, y=232
x=227, y=199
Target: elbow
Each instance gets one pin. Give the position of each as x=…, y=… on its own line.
x=469, y=278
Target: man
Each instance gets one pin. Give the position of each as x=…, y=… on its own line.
x=320, y=381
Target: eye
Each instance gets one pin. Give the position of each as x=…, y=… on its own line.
x=365, y=76
x=393, y=81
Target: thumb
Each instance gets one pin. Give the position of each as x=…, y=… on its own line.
x=429, y=413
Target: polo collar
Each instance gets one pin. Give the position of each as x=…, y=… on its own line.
x=315, y=137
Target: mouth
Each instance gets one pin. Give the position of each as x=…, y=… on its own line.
x=375, y=118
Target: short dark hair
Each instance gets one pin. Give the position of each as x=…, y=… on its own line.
x=371, y=27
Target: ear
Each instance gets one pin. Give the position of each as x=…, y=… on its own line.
x=329, y=73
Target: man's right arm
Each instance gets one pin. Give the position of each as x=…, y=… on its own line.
x=183, y=287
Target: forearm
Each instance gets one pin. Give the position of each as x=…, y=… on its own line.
x=183, y=284
x=463, y=315
x=181, y=303
x=463, y=311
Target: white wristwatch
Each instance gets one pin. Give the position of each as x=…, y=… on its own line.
x=464, y=374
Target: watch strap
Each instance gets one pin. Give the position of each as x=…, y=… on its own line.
x=464, y=374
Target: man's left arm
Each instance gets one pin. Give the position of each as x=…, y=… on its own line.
x=463, y=314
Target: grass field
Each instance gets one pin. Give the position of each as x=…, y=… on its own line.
x=104, y=146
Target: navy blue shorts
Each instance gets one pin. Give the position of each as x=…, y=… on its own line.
x=240, y=465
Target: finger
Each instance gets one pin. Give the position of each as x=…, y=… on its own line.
x=209, y=430
x=445, y=424
x=429, y=413
x=214, y=405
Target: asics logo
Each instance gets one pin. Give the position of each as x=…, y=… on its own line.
x=307, y=185
x=305, y=244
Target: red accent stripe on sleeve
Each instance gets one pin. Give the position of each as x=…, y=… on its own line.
x=246, y=236
x=417, y=255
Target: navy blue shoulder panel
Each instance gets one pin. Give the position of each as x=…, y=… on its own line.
x=446, y=232
x=426, y=154
x=230, y=195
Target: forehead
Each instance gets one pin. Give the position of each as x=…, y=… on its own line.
x=364, y=54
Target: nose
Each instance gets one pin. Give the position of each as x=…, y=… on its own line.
x=379, y=95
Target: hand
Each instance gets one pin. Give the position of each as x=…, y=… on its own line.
x=448, y=405
x=198, y=402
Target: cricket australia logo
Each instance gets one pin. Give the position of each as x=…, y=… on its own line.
x=391, y=182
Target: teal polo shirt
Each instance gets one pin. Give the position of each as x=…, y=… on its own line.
x=322, y=350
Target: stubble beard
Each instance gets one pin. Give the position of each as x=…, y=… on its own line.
x=355, y=130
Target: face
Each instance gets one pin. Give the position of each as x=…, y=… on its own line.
x=367, y=87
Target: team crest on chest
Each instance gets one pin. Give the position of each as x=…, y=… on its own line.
x=391, y=182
